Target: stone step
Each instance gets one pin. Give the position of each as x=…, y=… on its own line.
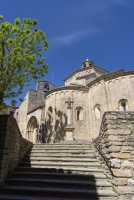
x=41, y=171
x=59, y=182
x=62, y=147
x=61, y=159
x=59, y=172
x=25, y=197
x=56, y=192
x=78, y=151
x=59, y=155
x=32, y=175
x=63, y=144
x=62, y=164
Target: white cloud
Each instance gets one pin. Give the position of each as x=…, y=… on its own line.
x=120, y=2
x=89, y=11
x=105, y=5
x=75, y=36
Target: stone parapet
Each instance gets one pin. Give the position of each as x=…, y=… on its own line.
x=12, y=146
x=115, y=143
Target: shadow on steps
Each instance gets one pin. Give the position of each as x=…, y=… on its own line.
x=43, y=183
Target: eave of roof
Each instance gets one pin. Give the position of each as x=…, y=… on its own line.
x=111, y=76
x=70, y=87
x=84, y=69
x=34, y=109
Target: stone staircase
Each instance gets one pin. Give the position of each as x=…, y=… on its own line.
x=59, y=171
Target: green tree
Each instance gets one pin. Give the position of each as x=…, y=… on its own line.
x=22, y=47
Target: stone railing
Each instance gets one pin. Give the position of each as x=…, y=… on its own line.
x=12, y=146
x=115, y=143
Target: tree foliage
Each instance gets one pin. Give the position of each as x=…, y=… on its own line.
x=22, y=46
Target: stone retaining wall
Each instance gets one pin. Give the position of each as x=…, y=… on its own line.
x=12, y=145
x=116, y=145
x=7, y=110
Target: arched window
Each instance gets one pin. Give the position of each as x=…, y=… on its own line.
x=46, y=87
x=123, y=105
x=79, y=113
x=97, y=111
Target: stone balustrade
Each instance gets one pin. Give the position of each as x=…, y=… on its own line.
x=116, y=145
x=12, y=146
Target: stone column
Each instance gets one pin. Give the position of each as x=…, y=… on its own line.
x=69, y=128
x=69, y=112
x=69, y=117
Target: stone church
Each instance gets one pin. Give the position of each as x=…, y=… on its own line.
x=74, y=112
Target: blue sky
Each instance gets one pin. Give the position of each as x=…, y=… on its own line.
x=102, y=30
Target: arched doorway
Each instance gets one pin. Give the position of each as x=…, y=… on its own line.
x=32, y=130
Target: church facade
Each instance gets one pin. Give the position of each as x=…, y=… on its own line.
x=74, y=112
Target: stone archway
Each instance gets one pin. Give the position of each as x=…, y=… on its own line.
x=32, y=129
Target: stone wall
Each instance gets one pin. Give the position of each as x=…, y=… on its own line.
x=107, y=93
x=115, y=144
x=56, y=114
x=21, y=115
x=120, y=88
x=97, y=95
x=7, y=110
x=12, y=145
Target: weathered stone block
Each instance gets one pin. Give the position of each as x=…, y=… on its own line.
x=116, y=138
x=125, y=197
x=112, y=132
x=128, y=116
x=131, y=181
x=114, y=148
x=121, y=116
x=125, y=190
x=131, y=144
x=130, y=139
x=115, y=143
x=120, y=181
x=120, y=155
x=127, y=164
x=124, y=131
x=126, y=148
x=132, y=197
x=122, y=173
x=110, y=116
x=115, y=163
x=111, y=126
x=110, y=122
